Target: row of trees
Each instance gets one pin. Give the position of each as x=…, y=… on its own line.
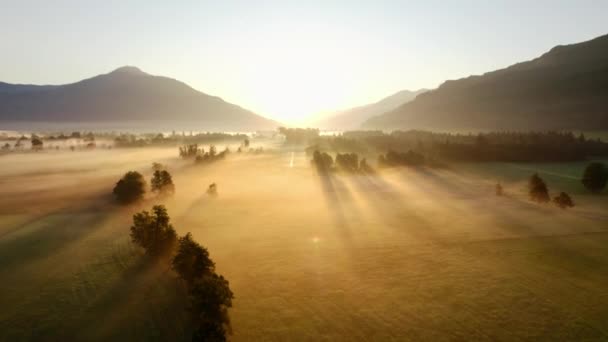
x=132, y=186
x=159, y=139
x=209, y=292
x=494, y=146
x=539, y=192
x=393, y=159
x=299, y=135
x=347, y=162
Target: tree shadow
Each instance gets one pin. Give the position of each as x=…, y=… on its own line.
x=391, y=207
x=334, y=193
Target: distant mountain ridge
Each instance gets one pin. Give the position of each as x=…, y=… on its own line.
x=565, y=88
x=125, y=94
x=353, y=118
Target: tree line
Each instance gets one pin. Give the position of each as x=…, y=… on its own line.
x=209, y=292
x=346, y=162
x=483, y=147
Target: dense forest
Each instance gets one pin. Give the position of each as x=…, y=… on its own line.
x=482, y=147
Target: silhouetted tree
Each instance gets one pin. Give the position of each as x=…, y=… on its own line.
x=212, y=189
x=158, y=167
x=153, y=232
x=36, y=143
x=192, y=260
x=130, y=188
x=210, y=299
x=6, y=147
x=393, y=158
x=595, y=177
x=322, y=161
x=162, y=182
x=537, y=189
x=365, y=167
x=246, y=143
x=348, y=162
x=563, y=200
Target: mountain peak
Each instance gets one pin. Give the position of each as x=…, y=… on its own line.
x=128, y=69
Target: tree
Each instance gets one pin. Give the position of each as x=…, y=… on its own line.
x=563, y=200
x=153, y=232
x=537, y=189
x=348, y=162
x=158, y=167
x=595, y=177
x=162, y=182
x=36, y=143
x=192, y=260
x=130, y=188
x=322, y=161
x=246, y=143
x=365, y=167
x=210, y=299
x=212, y=189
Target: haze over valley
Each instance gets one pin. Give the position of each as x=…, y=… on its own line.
x=304, y=171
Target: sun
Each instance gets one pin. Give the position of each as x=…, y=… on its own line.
x=298, y=78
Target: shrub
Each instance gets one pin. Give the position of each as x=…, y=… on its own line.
x=537, y=189
x=130, y=188
x=153, y=232
x=595, y=177
x=563, y=200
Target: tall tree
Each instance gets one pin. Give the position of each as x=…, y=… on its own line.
x=153, y=231
x=162, y=182
x=595, y=177
x=537, y=189
x=130, y=188
x=192, y=260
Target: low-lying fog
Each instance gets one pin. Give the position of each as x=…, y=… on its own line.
x=404, y=253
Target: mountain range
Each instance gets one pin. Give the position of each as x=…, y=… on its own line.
x=353, y=118
x=565, y=88
x=125, y=94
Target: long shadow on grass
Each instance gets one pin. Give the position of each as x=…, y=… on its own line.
x=333, y=190
x=146, y=302
x=392, y=208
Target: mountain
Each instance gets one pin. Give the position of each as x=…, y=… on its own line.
x=125, y=94
x=566, y=88
x=354, y=117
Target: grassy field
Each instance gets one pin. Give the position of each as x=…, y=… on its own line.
x=406, y=255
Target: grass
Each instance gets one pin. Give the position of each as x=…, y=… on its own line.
x=407, y=255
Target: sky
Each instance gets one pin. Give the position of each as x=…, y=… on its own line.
x=287, y=60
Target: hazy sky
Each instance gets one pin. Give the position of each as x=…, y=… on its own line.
x=287, y=59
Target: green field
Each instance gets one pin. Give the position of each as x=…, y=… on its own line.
x=406, y=255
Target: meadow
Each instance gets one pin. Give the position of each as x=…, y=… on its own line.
x=407, y=254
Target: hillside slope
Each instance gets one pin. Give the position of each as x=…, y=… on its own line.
x=126, y=94
x=353, y=118
x=566, y=88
